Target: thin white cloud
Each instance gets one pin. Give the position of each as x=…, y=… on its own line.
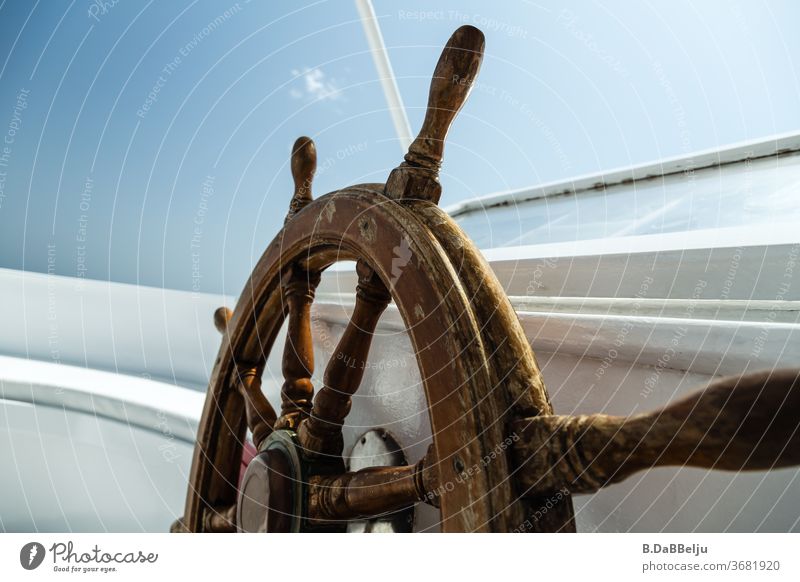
x=316, y=86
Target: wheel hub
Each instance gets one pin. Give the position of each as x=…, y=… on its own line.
x=270, y=496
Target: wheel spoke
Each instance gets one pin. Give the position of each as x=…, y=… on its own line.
x=372, y=492
x=321, y=433
x=259, y=412
x=298, y=352
x=739, y=423
x=418, y=176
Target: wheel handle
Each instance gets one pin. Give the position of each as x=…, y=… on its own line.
x=418, y=176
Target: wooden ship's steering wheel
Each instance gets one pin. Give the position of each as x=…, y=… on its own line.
x=487, y=403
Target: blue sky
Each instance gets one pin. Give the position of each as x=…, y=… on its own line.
x=149, y=141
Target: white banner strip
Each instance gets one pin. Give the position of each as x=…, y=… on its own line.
x=228, y=558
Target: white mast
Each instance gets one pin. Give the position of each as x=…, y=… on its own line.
x=385, y=73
